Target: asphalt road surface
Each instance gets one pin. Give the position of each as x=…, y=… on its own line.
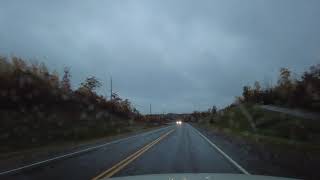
x=176, y=149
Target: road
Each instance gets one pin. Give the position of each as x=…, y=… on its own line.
x=293, y=112
x=176, y=149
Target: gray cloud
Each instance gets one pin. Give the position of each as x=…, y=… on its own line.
x=177, y=55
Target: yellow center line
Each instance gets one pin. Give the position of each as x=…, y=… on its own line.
x=117, y=167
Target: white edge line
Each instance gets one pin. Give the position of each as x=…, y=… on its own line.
x=77, y=152
x=224, y=154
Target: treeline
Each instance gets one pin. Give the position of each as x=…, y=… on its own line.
x=38, y=106
x=195, y=116
x=302, y=92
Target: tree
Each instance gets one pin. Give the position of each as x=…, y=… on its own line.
x=214, y=110
x=66, y=83
x=54, y=79
x=285, y=86
x=90, y=84
x=308, y=89
x=35, y=67
x=285, y=75
x=257, y=92
x=246, y=93
x=44, y=72
x=19, y=64
x=257, y=86
x=126, y=106
x=43, y=69
x=5, y=65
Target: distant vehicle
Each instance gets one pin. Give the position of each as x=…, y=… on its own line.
x=200, y=176
x=179, y=122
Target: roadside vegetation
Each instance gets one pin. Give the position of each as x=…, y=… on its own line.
x=263, y=125
x=38, y=107
x=302, y=92
x=246, y=118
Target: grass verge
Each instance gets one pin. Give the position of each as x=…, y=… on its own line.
x=272, y=128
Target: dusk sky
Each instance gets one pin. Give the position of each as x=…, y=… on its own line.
x=178, y=56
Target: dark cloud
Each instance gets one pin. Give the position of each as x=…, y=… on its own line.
x=177, y=55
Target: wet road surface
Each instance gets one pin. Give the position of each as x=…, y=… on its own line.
x=180, y=149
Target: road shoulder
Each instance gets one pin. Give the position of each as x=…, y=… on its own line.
x=259, y=158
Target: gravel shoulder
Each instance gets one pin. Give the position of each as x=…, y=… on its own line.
x=260, y=158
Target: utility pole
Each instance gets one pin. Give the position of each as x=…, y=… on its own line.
x=107, y=88
x=150, y=109
x=111, y=88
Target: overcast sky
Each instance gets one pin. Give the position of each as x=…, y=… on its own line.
x=179, y=56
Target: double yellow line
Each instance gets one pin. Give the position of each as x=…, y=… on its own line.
x=116, y=168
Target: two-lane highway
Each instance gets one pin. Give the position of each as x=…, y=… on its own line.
x=176, y=149
x=183, y=151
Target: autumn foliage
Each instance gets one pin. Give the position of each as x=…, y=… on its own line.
x=38, y=107
x=302, y=92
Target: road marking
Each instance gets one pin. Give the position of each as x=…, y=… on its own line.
x=224, y=154
x=77, y=152
x=117, y=167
